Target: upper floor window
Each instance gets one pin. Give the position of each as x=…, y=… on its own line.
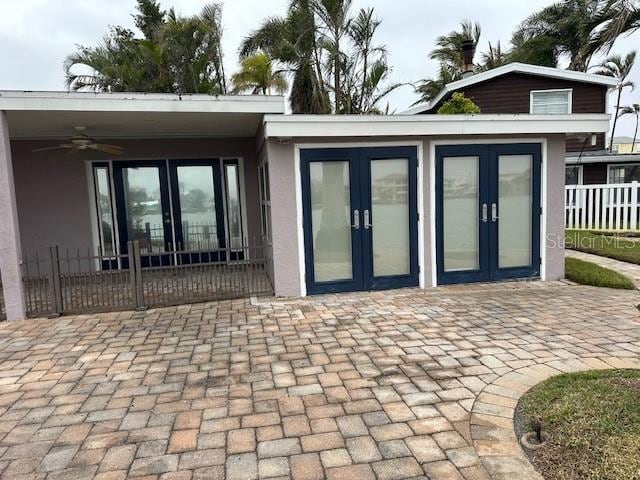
x=551, y=102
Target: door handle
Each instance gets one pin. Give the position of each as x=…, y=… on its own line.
x=494, y=213
x=485, y=214
x=367, y=225
x=356, y=220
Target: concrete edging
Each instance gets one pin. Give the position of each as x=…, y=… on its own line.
x=492, y=427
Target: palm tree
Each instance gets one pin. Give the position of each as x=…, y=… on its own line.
x=256, y=74
x=495, y=57
x=619, y=68
x=567, y=27
x=632, y=110
x=448, y=49
x=619, y=17
x=334, y=25
x=533, y=50
x=177, y=55
x=365, y=68
x=292, y=41
x=448, y=53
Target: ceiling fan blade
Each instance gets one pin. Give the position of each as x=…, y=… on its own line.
x=59, y=147
x=103, y=147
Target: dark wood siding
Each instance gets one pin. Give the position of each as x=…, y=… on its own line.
x=594, y=173
x=510, y=93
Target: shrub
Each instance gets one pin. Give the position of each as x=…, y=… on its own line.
x=458, y=104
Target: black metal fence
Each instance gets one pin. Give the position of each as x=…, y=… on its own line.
x=76, y=282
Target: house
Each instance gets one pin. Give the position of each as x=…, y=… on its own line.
x=117, y=200
x=522, y=88
x=624, y=145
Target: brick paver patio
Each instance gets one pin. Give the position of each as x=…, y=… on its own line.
x=387, y=385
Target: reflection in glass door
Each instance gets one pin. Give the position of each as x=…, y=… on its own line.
x=330, y=220
x=390, y=213
x=144, y=213
x=197, y=210
x=487, y=212
x=515, y=199
x=360, y=218
x=175, y=209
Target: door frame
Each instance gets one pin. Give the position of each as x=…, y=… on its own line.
x=414, y=151
x=509, y=146
x=155, y=259
x=418, y=144
x=322, y=155
x=199, y=256
x=464, y=276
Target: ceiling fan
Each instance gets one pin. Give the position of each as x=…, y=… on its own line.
x=82, y=142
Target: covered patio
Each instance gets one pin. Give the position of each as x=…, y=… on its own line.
x=122, y=201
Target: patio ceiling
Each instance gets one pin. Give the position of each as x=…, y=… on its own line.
x=43, y=115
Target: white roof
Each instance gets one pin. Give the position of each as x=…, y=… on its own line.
x=515, y=67
x=139, y=102
x=318, y=126
x=137, y=115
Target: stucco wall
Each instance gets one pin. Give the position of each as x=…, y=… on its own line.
x=282, y=185
x=554, y=264
x=52, y=189
x=286, y=258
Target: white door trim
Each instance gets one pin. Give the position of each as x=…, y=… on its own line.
x=543, y=193
x=364, y=144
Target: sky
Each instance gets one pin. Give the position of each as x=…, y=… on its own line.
x=36, y=35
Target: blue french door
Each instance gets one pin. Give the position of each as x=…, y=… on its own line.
x=143, y=210
x=360, y=218
x=175, y=210
x=488, y=212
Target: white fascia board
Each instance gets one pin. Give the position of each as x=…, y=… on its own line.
x=574, y=158
x=516, y=67
x=139, y=102
x=424, y=125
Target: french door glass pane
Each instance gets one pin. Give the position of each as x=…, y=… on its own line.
x=234, y=212
x=515, y=210
x=105, y=215
x=143, y=207
x=330, y=219
x=390, y=216
x=197, y=208
x=460, y=213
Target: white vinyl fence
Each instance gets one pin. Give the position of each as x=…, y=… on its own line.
x=602, y=207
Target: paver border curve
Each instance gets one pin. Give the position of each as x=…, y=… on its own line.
x=492, y=415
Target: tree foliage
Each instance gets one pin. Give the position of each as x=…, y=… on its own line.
x=458, y=104
x=571, y=30
x=176, y=55
x=331, y=55
x=619, y=68
x=257, y=76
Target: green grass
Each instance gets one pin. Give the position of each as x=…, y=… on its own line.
x=618, y=246
x=593, y=423
x=587, y=273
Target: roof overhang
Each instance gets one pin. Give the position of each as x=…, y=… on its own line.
x=515, y=67
x=135, y=115
x=311, y=126
x=574, y=158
